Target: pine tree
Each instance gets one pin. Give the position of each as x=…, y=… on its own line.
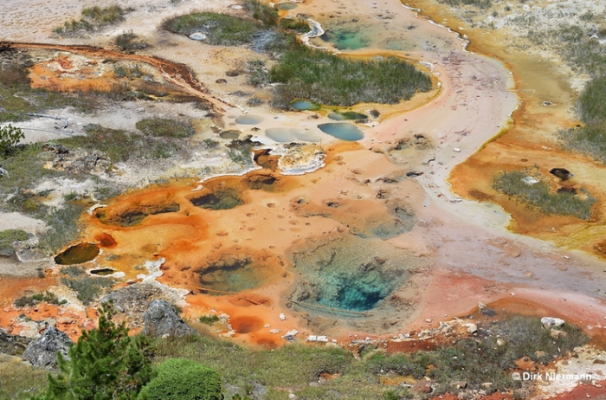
x=105, y=364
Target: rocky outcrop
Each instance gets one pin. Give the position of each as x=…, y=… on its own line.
x=78, y=161
x=12, y=345
x=133, y=301
x=161, y=320
x=42, y=352
x=298, y=159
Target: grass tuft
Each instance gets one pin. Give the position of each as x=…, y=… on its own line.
x=165, y=127
x=222, y=29
x=327, y=79
x=540, y=196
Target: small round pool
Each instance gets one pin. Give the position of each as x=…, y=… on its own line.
x=249, y=119
x=232, y=134
x=303, y=105
x=342, y=130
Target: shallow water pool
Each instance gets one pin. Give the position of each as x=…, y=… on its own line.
x=342, y=130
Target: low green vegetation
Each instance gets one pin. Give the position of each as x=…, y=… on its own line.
x=220, y=365
x=580, y=47
x=293, y=24
x=121, y=145
x=93, y=18
x=63, y=226
x=327, y=79
x=130, y=71
x=129, y=42
x=29, y=301
x=183, y=379
x=106, y=363
x=9, y=236
x=19, y=379
x=208, y=319
x=540, y=196
x=10, y=136
x=165, y=127
x=262, y=12
x=302, y=72
x=18, y=99
x=590, y=139
x=472, y=360
x=222, y=29
x=474, y=3
x=87, y=288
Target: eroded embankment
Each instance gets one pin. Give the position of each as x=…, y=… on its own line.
x=176, y=73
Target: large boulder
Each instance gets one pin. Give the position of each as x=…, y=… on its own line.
x=12, y=345
x=42, y=352
x=161, y=320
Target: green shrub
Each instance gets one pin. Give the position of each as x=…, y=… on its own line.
x=105, y=15
x=222, y=29
x=540, y=196
x=128, y=41
x=181, y=379
x=63, y=226
x=592, y=102
x=165, y=127
x=294, y=25
x=208, y=319
x=86, y=287
x=46, y=297
x=9, y=136
x=8, y=236
x=261, y=12
x=127, y=71
x=105, y=364
x=93, y=17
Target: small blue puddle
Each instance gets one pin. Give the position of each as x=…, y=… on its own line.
x=342, y=130
x=248, y=119
x=303, y=105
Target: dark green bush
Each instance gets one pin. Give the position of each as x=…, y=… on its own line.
x=182, y=379
x=9, y=136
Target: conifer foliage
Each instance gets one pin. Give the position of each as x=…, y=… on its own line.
x=105, y=364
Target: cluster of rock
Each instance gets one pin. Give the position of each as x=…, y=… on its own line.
x=78, y=161
x=158, y=315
